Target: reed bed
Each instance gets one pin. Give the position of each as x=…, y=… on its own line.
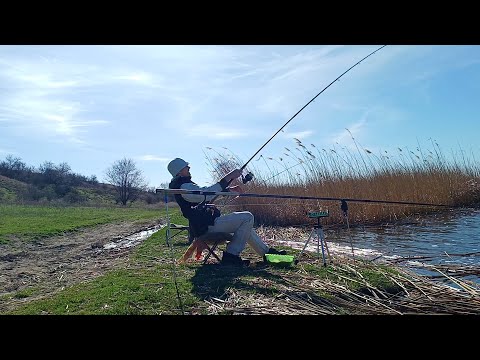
x=301, y=293
x=420, y=176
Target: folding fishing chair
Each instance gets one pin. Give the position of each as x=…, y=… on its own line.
x=180, y=229
x=208, y=241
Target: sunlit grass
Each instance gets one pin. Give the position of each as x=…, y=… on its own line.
x=149, y=284
x=30, y=221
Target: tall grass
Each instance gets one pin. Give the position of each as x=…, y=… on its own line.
x=409, y=175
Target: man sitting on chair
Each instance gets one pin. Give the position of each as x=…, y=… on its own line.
x=239, y=223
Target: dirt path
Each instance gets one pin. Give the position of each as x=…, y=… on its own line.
x=43, y=267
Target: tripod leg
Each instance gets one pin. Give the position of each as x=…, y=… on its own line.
x=320, y=240
x=305, y=246
x=322, y=234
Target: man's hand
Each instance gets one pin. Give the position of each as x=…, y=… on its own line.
x=235, y=188
x=233, y=175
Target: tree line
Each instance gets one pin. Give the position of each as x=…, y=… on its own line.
x=53, y=181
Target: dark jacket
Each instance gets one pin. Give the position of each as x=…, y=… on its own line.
x=199, y=215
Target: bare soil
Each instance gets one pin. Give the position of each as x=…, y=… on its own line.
x=43, y=267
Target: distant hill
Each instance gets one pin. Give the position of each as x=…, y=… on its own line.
x=13, y=191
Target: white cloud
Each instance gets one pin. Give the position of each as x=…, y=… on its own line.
x=152, y=158
x=37, y=104
x=354, y=130
x=139, y=77
x=299, y=135
x=45, y=81
x=44, y=116
x=214, y=131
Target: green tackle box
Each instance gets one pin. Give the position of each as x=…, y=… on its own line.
x=280, y=260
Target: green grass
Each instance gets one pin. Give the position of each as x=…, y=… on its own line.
x=25, y=293
x=32, y=222
x=11, y=185
x=96, y=196
x=146, y=286
x=7, y=195
x=119, y=292
x=10, y=189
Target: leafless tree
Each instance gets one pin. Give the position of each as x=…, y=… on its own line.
x=127, y=179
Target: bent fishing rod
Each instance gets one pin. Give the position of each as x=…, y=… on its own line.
x=249, y=176
x=308, y=103
x=278, y=196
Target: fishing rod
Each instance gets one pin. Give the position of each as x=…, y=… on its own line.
x=308, y=103
x=278, y=196
x=249, y=176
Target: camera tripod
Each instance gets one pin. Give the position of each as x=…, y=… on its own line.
x=318, y=232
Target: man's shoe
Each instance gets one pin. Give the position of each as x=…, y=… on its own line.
x=235, y=260
x=274, y=251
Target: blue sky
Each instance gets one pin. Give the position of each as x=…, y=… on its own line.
x=90, y=106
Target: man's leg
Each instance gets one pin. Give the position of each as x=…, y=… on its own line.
x=257, y=243
x=241, y=225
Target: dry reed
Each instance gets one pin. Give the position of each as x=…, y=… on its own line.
x=301, y=293
x=421, y=176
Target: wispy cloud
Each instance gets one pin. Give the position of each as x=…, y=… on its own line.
x=45, y=81
x=5, y=151
x=45, y=117
x=214, y=131
x=139, y=77
x=241, y=79
x=225, y=82
x=152, y=158
x=299, y=135
x=355, y=129
x=38, y=100
x=374, y=122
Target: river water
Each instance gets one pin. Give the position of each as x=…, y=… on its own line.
x=437, y=236
x=450, y=239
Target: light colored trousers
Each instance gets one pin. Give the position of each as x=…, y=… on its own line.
x=241, y=225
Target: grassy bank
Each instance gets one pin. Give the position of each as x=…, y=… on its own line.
x=30, y=221
x=149, y=284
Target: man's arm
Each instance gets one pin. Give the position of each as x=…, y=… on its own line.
x=220, y=186
x=199, y=198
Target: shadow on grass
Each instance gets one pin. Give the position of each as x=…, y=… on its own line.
x=213, y=280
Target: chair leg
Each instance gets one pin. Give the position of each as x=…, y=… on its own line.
x=190, y=234
x=211, y=251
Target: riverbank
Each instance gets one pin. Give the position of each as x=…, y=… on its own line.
x=146, y=282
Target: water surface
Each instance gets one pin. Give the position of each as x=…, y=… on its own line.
x=451, y=239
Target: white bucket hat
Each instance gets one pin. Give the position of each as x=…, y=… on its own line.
x=176, y=165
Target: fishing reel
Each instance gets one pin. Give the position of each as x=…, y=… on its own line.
x=247, y=178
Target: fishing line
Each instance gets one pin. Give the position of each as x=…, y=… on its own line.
x=172, y=256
